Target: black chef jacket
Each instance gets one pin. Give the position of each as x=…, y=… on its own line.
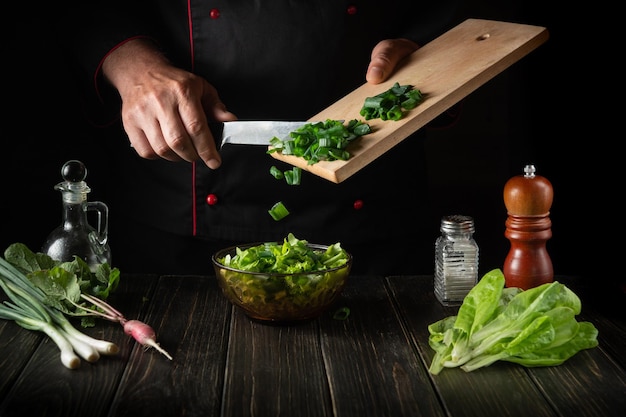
x=273, y=60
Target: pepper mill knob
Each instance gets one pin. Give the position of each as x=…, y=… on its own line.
x=528, y=194
x=528, y=199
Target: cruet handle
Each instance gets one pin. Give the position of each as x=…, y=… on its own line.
x=100, y=235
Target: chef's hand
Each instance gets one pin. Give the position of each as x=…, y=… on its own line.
x=164, y=108
x=385, y=56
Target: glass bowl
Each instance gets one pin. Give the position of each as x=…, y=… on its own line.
x=280, y=297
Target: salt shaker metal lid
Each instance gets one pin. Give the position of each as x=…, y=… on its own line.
x=457, y=223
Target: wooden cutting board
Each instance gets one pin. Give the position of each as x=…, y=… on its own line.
x=446, y=70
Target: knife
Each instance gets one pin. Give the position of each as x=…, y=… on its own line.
x=251, y=132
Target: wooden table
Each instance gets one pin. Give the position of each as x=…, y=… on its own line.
x=374, y=363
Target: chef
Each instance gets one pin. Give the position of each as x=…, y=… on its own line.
x=155, y=72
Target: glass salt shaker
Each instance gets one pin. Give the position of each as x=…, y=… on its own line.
x=456, y=260
x=75, y=236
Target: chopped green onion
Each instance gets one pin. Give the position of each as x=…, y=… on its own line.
x=325, y=143
x=314, y=141
x=362, y=129
x=278, y=211
x=376, y=102
x=409, y=104
x=390, y=104
x=394, y=113
x=293, y=176
x=341, y=313
x=289, y=177
x=338, y=154
x=276, y=173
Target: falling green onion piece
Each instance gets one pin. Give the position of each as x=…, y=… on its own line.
x=294, y=176
x=289, y=177
x=276, y=173
x=278, y=211
x=341, y=313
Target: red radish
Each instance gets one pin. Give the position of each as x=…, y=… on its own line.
x=139, y=330
x=143, y=334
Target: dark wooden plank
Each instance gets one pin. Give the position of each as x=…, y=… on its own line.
x=599, y=372
x=588, y=384
x=372, y=366
x=275, y=370
x=502, y=389
x=603, y=306
x=191, y=319
x=611, y=333
x=16, y=347
x=46, y=387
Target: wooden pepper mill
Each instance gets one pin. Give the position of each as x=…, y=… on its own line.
x=528, y=199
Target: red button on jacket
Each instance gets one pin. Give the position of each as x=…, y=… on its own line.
x=211, y=199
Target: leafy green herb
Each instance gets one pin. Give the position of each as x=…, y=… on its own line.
x=535, y=327
x=390, y=104
x=63, y=282
x=321, y=141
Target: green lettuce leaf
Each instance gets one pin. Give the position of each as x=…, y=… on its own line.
x=533, y=327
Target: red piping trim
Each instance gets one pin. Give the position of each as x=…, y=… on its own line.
x=194, y=214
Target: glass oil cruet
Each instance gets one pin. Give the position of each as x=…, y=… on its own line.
x=75, y=236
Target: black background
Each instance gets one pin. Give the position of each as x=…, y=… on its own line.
x=547, y=110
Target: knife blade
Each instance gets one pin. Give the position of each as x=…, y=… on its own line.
x=252, y=132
